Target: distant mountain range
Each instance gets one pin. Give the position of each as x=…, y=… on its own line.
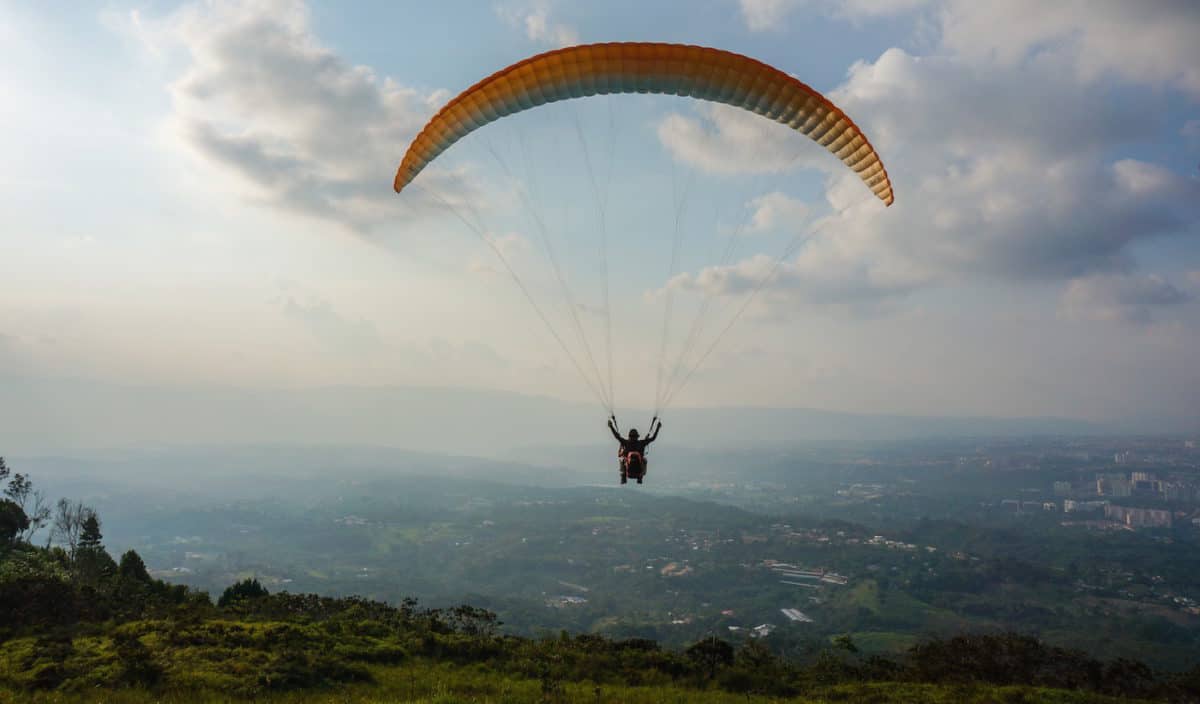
x=51, y=415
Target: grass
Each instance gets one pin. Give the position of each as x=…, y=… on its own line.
x=884, y=641
x=864, y=595
x=359, y=659
x=423, y=682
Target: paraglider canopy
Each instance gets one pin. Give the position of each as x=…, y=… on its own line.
x=646, y=67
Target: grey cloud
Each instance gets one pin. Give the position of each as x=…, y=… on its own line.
x=1149, y=42
x=964, y=111
x=1093, y=38
x=1128, y=299
x=1002, y=174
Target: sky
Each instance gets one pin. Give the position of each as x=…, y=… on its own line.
x=198, y=194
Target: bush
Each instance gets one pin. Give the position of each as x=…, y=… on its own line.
x=137, y=665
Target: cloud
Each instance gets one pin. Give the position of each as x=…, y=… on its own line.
x=776, y=211
x=813, y=277
x=1150, y=42
x=1010, y=171
x=535, y=20
x=1095, y=38
x=1190, y=129
x=294, y=125
x=726, y=140
x=766, y=15
x=1120, y=298
x=331, y=328
x=988, y=187
x=762, y=15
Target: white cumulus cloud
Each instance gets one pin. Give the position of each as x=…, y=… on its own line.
x=539, y=26
x=776, y=211
x=296, y=126
x=727, y=140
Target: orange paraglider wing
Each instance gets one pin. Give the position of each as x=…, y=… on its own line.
x=636, y=67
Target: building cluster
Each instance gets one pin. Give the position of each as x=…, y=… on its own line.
x=697, y=540
x=804, y=576
x=863, y=492
x=796, y=615
x=562, y=601
x=759, y=631
x=1099, y=493
x=1138, y=517
x=1103, y=494
x=1072, y=506
x=1018, y=506
x=879, y=540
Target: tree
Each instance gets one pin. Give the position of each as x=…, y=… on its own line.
x=39, y=515
x=90, y=537
x=68, y=523
x=18, y=487
x=710, y=655
x=240, y=591
x=32, y=502
x=13, y=522
x=473, y=621
x=92, y=562
x=132, y=568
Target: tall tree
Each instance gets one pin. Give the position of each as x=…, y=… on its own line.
x=133, y=568
x=68, y=523
x=92, y=563
x=90, y=537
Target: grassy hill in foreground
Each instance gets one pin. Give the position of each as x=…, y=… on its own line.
x=359, y=652
x=138, y=640
x=431, y=683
